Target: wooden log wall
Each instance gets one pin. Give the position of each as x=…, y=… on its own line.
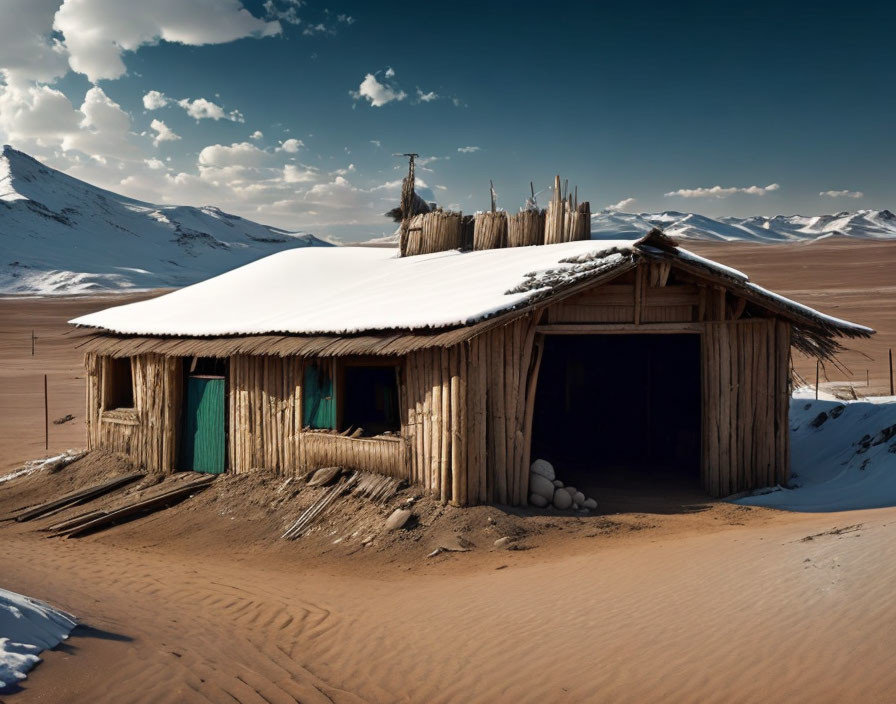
x=616, y=303
x=264, y=403
x=383, y=455
x=467, y=409
x=436, y=231
x=490, y=230
x=265, y=430
x=746, y=394
x=525, y=228
x=149, y=432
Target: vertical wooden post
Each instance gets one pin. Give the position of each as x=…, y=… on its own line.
x=32, y=342
x=817, y=365
x=46, y=417
x=892, y=391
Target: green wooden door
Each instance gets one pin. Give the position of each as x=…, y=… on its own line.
x=319, y=392
x=202, y=448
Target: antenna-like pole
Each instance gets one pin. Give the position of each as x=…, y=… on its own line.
x=407, y=200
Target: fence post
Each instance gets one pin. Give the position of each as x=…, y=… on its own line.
x=892, y=392
x=817, y=365
x=46, y=417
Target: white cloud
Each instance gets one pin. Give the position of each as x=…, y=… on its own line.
x=257, y=134
x=291, y=145
x=154, y=100
x=723, y=192
x=286, y=10
x=37, y=117
x=319, y=28
x=345, y=19
x=426, y=97
x=469, y=150
x=376, y=143
x=197, y=108
x=842, y=194
x=37, y=114
x=163, y=133
x=202, y=109
x=237, y=154
x=103, y=113
x=623, y=205
x=396, y=184
x=378, y=93
x=299, y=174
x=28, y=52
x=105, y=130
x=343, y=172
x=97, y=32
x=154, y=164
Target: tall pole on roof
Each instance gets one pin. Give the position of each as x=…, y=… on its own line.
x=407, y=200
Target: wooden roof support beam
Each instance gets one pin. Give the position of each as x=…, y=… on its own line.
x=617, y=328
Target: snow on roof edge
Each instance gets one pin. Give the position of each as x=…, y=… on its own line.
x=418, y=294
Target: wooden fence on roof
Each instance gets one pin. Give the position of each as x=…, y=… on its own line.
x=565, y=220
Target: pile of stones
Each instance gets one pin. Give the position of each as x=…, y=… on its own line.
x=546, y=490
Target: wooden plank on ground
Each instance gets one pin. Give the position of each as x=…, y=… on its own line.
x=78, y=497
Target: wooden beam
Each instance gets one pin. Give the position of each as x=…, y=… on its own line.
x=617, y=328
x=639, y=277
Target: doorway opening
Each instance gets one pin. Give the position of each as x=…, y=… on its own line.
x=619, y=417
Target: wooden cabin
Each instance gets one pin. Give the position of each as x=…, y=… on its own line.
x=453, y=370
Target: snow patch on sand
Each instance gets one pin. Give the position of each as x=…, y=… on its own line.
x=843, y=456
x=27, y=627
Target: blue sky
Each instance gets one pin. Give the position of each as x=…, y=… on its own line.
x=288, y=112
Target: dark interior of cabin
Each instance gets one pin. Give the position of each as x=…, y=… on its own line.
x=119, y=384
x=619, y=418
x=371, y=399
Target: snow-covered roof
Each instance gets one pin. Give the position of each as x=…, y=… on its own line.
x=344, y=290
x=351, y=290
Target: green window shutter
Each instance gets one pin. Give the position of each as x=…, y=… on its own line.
x=319, y=399
x=202, y=445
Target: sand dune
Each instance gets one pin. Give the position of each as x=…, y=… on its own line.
x=744, y=614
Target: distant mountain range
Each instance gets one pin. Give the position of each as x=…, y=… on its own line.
x=869, y=224
x=61, y=235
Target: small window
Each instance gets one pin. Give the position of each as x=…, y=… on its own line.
x=370, y=399
x=118, y=384
x=207, y=366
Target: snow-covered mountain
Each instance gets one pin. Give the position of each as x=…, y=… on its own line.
x=869, y=224
x=62, y=235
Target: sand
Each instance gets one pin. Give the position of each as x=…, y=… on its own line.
x=780, y=608
x=703, y=603
x=22, y=375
